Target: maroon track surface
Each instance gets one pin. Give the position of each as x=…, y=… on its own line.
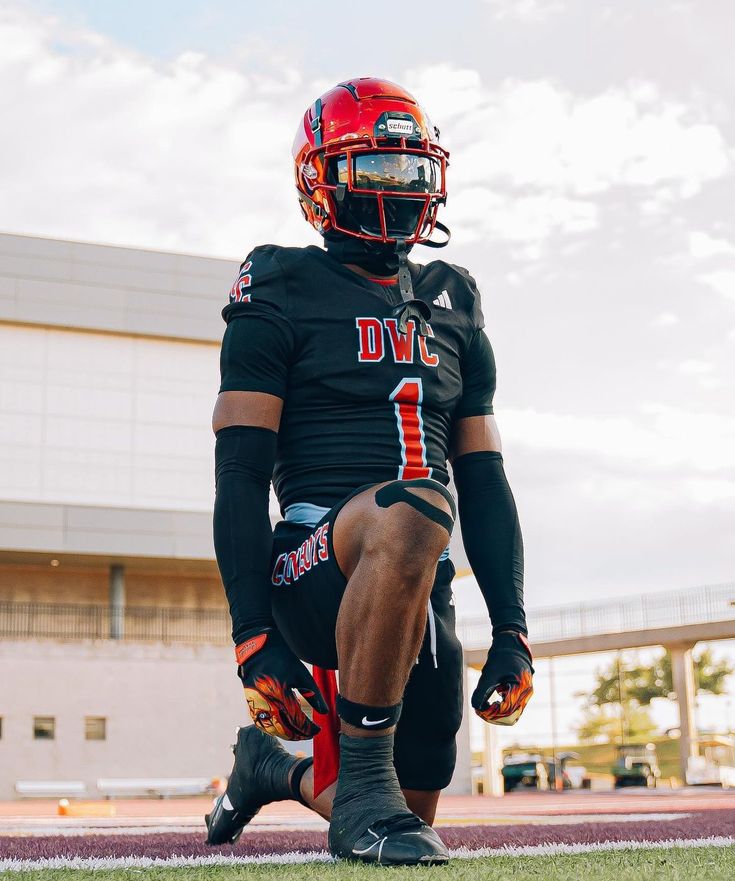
x=694, y=814
x=624, y=801
x=253, y=843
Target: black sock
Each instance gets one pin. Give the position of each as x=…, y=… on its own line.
x=295, y=782
x=274, y=773
x=367, y=790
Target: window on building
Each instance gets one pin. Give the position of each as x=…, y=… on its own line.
x=95, y=728
x=44, y=727
x=1, y=727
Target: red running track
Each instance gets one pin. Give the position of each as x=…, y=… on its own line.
x=529, y=803
x=253, y=843
x=679, y=815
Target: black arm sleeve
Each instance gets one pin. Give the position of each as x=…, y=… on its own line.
x=478, y=378
x=492, y=536
x=244, y=458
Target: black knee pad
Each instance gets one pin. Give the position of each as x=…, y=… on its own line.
x=398, y=492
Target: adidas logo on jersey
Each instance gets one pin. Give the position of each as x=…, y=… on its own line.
x=443, y=300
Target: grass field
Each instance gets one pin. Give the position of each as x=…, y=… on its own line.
x=669, y=864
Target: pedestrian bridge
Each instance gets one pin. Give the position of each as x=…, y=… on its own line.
x=667, y=618
x=676, y=620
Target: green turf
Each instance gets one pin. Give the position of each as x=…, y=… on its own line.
x=675, y=864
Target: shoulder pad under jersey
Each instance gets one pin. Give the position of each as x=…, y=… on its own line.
x=262, y=280
x=464, y=292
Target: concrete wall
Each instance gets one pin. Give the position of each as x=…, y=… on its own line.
x=105, y=420
x=116, y=418
x=108, y=375
x=111, y=532
x=197, y=698
x=90, y=585
x=122, y=290
x=43, y=584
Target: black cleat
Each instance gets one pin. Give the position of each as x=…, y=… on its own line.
x=248, y=788
x=402, y=840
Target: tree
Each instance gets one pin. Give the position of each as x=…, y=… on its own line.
x=632, y=688
x=644, y=682
x=607, y=724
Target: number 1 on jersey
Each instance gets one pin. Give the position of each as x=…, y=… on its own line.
x=407, y=397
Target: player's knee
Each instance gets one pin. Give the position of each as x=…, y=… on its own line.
x=416, y=522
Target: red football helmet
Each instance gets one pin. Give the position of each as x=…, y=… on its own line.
x=368, y=163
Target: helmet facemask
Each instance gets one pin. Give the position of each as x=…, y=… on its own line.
x=384, y=195
x=373, y=194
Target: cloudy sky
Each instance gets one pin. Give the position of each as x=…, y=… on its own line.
x=591, y=193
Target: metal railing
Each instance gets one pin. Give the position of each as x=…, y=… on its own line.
x=140, y=623
x=167, y=624
x=696, y=605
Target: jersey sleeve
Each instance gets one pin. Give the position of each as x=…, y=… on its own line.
x=478, y=378
x=258, y=343
x=474, y=309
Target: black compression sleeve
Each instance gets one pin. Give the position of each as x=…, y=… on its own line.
x=492, y=536
x=244, y=458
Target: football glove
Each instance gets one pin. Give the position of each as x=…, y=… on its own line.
x=270, y=672
x=506, y=684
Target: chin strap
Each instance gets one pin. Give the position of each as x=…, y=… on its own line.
x=429, y=243
x=411, y=307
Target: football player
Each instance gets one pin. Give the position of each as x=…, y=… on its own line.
x=350, y=378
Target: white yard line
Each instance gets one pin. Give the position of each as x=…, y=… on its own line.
x=540, y=850
x=175, y=862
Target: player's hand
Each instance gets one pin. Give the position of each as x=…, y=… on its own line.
x=506, y=683
x=270, y=672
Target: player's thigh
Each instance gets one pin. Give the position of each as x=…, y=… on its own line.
x=307, y=589
x=425, y=742
x=308, y=585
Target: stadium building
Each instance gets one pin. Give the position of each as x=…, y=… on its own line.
x=115, y=658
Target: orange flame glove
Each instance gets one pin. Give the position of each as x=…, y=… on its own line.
x=506, y=683
x=270, y=672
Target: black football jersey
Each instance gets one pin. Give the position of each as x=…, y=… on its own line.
x=363, y=402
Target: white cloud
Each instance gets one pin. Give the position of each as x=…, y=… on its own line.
x=722, y=281
x=702, y=245
x=665, y=319
x=538, y=134
x=107, y=145
x=695, y=367
x=481, y=212
x=527, y=11
x=193, y=154
x=531, y=159
x=657, y=437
